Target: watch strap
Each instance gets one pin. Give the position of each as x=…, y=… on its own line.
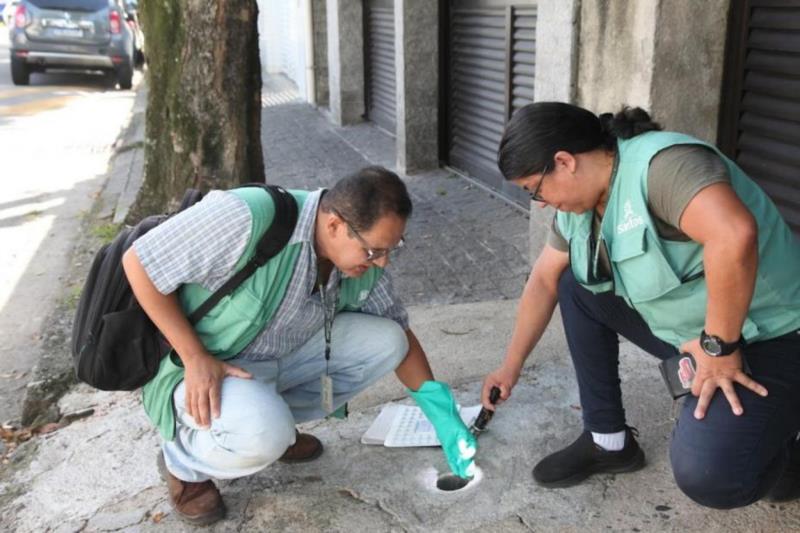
x=726, y=348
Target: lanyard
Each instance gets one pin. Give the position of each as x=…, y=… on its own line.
x=328, y=315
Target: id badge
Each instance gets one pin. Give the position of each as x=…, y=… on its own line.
x=326, y=389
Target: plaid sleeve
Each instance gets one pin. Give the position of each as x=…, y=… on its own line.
x=199, y=245
x=382, y=301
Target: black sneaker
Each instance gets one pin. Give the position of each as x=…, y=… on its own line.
x=787, y=487
x=583, y=458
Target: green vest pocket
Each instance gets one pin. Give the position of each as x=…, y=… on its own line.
x=642, y=271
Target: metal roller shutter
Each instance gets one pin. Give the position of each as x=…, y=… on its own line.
x=760, y=127
x=491, y=58
x=381, y=93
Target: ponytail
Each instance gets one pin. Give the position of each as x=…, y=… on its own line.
x=628, y=122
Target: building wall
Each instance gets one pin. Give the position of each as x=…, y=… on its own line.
x=282, y=39
x=345, y=29
x=663, y=55
x=320, y=30
x=688, y=64
x=557, y=31
x=268, y=32
x=615, y=54
x=417, y=74
x=293, y=43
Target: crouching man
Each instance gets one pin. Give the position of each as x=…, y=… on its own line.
x=227, y=398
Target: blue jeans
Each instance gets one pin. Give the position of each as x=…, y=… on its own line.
x=722, y=461
x=258, y=415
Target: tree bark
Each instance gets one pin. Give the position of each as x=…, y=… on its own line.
x=203, y=120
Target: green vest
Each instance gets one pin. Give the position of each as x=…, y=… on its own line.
x=663, y=280
x=239, y=317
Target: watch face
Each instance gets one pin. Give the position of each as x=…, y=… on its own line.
x=711, y=346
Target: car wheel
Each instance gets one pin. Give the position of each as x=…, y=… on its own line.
x=125, y=76
x=20, y=73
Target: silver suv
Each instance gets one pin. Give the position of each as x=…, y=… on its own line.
x=71, y=34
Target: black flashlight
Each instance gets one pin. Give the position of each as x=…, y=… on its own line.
x=483, y=418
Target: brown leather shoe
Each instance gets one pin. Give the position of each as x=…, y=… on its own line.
x=306, y=448
x=198, y=504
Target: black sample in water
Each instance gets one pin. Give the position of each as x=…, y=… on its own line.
x=483, y=418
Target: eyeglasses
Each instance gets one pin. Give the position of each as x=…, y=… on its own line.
x=535, y=196
x=373, y=254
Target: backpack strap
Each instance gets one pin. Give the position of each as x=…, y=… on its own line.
x=272, y=242
x=190, y=197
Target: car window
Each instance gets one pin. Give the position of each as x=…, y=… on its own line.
x=71, y=5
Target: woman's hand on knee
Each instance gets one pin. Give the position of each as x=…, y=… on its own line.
x=719, y=373
x=203, y=383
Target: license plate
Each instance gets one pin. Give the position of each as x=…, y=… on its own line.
x=65, y=32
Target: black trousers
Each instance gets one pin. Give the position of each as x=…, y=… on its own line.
x=722, y=461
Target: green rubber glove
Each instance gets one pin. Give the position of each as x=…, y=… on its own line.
x=459, y=445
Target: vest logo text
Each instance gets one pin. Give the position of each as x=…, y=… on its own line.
x=630, y=219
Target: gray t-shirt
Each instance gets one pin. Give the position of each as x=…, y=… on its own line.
x=675, y=176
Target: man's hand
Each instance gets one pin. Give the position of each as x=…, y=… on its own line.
x=203, y=382
x=504, y=378
x=458, y=444
x=718, y=372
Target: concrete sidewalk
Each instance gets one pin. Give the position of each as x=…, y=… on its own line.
x=466, y=263
x=99, y=474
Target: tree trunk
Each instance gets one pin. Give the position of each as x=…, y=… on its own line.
x=203, y=121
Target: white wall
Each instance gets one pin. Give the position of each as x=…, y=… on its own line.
x=282, y=39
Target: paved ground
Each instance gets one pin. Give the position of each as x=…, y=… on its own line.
x=98, y=474
x=464, y=244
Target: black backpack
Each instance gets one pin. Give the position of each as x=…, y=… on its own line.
x=115, y=345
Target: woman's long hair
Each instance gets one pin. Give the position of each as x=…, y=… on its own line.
x=537, y=131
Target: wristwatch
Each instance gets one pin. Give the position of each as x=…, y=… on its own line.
x=716, y=347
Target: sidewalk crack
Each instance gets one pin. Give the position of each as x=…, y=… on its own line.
x=378, y=503
x=147, y=515
x=246, y=517
x=524, y=523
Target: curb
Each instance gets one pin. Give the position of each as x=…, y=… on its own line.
x=126, y=166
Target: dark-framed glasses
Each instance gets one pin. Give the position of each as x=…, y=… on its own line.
x=535, y=196
x=373, y=254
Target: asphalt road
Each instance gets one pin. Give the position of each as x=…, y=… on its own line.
x=56, y=137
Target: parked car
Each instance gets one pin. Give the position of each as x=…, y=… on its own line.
x=87, y=35
x=8, y=12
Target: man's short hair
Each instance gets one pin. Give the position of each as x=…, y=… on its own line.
x=366, y=196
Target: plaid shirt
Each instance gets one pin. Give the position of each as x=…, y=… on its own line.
x=203, y=244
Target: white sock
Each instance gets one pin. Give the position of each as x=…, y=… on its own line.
x=612, y=442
